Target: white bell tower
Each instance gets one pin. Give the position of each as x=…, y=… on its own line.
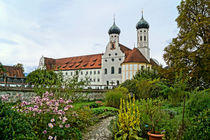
x=142, y=28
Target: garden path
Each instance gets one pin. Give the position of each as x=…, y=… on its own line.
x=99, y=131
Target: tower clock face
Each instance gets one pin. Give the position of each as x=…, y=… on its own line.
x=112, y=47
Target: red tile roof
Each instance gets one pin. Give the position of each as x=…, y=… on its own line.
x=153, y=63
x=135, y=56
x=13, y=71
x=74, y=63
x=124, y=48
x=93, y=61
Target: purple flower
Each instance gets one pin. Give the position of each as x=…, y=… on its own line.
x=67, y=125
x=44, y=132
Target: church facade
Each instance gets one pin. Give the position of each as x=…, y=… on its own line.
x=113, y=67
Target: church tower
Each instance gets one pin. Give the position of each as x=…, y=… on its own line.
x=142, y=28
x=114, y=33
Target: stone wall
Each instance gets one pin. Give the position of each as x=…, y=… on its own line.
x=15, y=95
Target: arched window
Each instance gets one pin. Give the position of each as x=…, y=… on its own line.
x=112, y=70
x=118, y=82
x=105, y=71
x=144, y=38
x=140, y=38
x=107, y=82
x=119, y=70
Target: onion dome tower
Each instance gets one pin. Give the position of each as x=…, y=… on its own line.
x=114, y=33
x=142, y=28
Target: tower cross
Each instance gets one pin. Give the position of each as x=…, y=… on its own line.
x=142, y=12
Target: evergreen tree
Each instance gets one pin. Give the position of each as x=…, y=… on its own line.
x=189, y=52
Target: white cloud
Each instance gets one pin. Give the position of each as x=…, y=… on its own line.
x=76, y=27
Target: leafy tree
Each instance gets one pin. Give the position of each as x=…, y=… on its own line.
x=48, y=80
x=189, y=52
x=72, y=86
x=146, y=74
x=2, y=69
x=143, y=85
x=18, y=65
x=42, y=80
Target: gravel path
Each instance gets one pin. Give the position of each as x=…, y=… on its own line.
x=99, y=131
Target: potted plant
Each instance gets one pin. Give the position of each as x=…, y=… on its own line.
x=153, y=116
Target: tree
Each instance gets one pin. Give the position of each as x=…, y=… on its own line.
x=48, y=80
x=18, y=65
x=2, y=69
x=189, y=52
x=42, y=80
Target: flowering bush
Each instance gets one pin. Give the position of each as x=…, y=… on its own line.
x=50, y=116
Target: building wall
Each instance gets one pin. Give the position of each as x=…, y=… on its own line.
x=130, y=69
x=41, y=63
x=143, y=42
x=112, y=58
x=94, y=75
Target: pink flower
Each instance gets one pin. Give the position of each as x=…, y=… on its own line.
x=46, y=94
x=36, y=106
x=67, y=125
x=50, y=125
x=55, y=137
x=98, y=102
x=50, y=137
x=52, y=120
x=64, y=119
x=61, y=100
x=56, y=104
x=66, y=108
x=35, y=109
x=61, y=126
x=61, y=112
x=5, y=97
x=44, y=132
x=69, y=101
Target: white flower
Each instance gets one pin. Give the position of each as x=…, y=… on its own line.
x=52, y=120
x=50, y=137
x=50, y=125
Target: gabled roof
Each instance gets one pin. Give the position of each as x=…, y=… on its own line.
x=135, y=56
x=13, y=71
x=74, y=63
x=153, y=63
x=124, y=48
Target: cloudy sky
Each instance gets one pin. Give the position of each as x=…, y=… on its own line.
x=30, y=29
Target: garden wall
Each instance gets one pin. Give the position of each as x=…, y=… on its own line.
x=17, y=93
